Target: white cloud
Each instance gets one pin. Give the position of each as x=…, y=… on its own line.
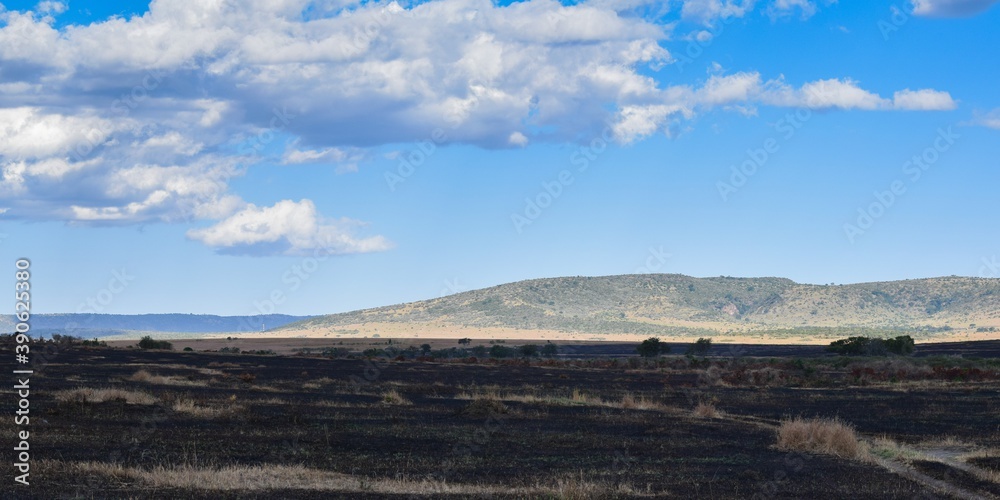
x=50, y=7
x=518, y=139
x=991, y=119
x=31, y=133
x=923, y=100
x=287, y=227
x=149, y=118
x=950, y=8
x=781, y=8
x=708, y=11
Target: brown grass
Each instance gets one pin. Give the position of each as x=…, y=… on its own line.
x=297, y=477
x=190, y=407
x=393, y=397
x=630, y=402
x=149, y=378
x=484, y=405
x=707, y=410
x=821, y=435
x=91, y=395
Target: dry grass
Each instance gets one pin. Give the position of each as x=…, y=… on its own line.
x=297, y=477
x=707, y=410
x=630, y=402
x=393, y=397
x=821, y=435
x=91, y=395
x=149, y=378
x=485, y=405
x=581, y=398
x=189, y=407
x=884, y=447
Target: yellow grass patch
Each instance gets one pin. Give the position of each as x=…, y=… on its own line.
x=821, y=435
x=91, y=395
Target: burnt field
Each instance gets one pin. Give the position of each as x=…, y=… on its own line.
x=130, y=423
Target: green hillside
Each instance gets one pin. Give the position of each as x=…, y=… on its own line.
x=671, y=303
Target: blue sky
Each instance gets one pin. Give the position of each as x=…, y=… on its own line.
x=250, y=158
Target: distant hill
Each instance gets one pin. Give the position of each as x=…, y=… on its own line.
x=87, y=325
x=672, y=304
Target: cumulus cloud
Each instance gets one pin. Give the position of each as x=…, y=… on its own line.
x=990, y=119
x=950, y=8
x=708, y=11
x=287, y=227
x=923, y=100
x=149, y=118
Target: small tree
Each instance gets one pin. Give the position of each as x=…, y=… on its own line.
x=700, y=347
x=528, y=350
x=550, y=350
x=499, y=351
x=652, y=347
x=425, y=348
x=902, y=345
x=465, y=341
x=147, y=342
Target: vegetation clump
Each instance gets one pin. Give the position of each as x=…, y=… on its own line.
x=147, y=342
x=652, y=347
x=700, y=347
x=902, y=345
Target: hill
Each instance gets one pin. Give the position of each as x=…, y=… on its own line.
x=87, y=325
x=684, y=306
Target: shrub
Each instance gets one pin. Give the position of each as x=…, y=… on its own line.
x=393, y=397
x=902, y=345
x=550, y=350
x=484, y=405
x=528, y=350
x=247, y=377
x=865, y=346
x=652, y=347
x=499, y=351
x=188, y=349
x=147, y=342
x=700, y=347
x=820, y=435
x=465, y=341
x=706, y=410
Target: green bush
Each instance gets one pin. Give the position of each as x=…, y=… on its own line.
x=188, y=349
x=700, y=347
x=652, y=347
x=147, y=342
x=528, y=350
x=550, y=350
x=499, y=351
x=865, y=346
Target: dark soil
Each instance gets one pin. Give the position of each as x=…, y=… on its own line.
x=330, y=415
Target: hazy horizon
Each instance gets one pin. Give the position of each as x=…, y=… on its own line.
x=204, y=158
